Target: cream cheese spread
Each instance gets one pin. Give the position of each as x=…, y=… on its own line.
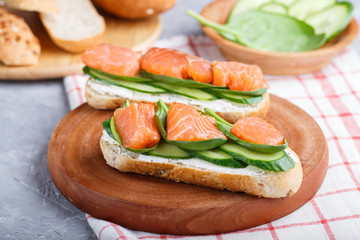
x=218, y=105
x=193, y=162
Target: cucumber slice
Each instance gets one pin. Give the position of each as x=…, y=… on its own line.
x=239, y=98
x=217, y=157
x=261, y=148
x=185, y=91
x=257, y=92
x=302, y=9
x=136, y=86
x=279, y=161
x=332, y=20
x=177, y=81
x=95, y=73
x=107, y=128
x=287, y=3
x=161, y=116
x=244, y=5
x=274, y=7
x=113, y=130
x=167, y=150
x=126, y=103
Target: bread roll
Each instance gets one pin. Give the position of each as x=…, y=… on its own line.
x=18, y=45
x=134, y=9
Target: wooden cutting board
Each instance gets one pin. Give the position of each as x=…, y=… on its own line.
x=55, y=62
x=151, y=204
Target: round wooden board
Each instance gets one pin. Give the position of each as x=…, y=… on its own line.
x=55, y=62
x=151, y=204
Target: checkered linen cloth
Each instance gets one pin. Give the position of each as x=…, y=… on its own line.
x=332, y=97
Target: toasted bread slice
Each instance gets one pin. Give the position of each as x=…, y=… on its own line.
x=78, y=25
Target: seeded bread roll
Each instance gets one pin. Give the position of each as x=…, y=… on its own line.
x=78, y=25
x=18, y=45
x=251, y=180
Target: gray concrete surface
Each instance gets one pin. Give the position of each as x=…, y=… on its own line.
x=30, y=205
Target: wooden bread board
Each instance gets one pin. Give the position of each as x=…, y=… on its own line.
x=55, y=62
x=151, y=204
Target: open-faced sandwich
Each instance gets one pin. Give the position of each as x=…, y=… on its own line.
x=180, y=143
x=231, y=89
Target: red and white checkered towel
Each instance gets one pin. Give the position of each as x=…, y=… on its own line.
x=332, y=97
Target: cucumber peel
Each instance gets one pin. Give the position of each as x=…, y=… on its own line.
x=167, y=150
x=161, y=117
x=279, y=161
x=140, y=86
x=217, y=157
x=177, y=81
x=96, y=73
x=239, y=98
x=257, y=92
x=194, y=93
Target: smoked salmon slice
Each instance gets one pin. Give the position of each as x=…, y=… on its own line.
x=238, y=76
x=173, y=63
x=164, y=61
x=257, y=130
x=112, y=59
x=136, y=126
x=199, y=69
x=185, y=123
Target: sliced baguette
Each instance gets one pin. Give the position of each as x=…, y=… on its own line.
x=18, y=45
x=102, y=96
x=251, y=180
x=47, y=6
x=78, y=25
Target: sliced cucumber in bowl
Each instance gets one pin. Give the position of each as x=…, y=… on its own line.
x=244, y=5
x=303, y=9
x=274, y=8
x=332, y=20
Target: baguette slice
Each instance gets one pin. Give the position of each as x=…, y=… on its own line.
x=47, y=6
x=18, y=45
x=78, y=25
x=103, y=96
x=250, y=180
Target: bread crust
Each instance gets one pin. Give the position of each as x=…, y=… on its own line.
x=73, y=45
x=102, y=101
x=18, y=45
x=47, y=6
x=269, y=184
x=134, y=9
